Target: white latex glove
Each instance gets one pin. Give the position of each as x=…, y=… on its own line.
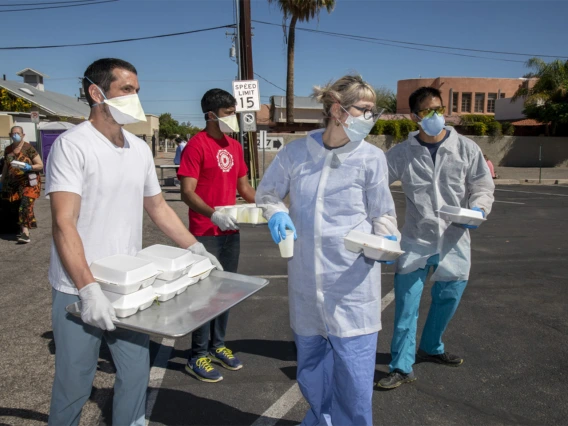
x=199, y=249
x=386, y=225
x=97, y=309
x=224, y=221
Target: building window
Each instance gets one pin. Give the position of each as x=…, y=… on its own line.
x=491, y=97
x=455, y=102
x=502, y=95
x=479, y=102
x=466, y=102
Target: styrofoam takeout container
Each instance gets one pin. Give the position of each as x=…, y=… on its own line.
x=172, y=262
x=126, y=305
x=123, y=274
x=167, y=290
x=201, y=267
x=373, y=246
x=461, y=216
x=18, y=164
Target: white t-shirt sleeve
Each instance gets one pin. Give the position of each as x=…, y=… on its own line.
x=65, y=167
x=151, y=184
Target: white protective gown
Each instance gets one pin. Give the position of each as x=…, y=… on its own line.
x=331, y=290
x=459, y=178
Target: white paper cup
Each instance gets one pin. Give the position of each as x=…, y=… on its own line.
x=254, y=215
x=242, y=214
x=287, y=246
x=231, y=211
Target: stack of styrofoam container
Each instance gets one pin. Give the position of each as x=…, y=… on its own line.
x=461, y=216
x=127, y=282
x=244, y=213
x=201, y=268
x=173, y=265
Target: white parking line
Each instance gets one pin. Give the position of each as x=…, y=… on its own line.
x=508, y=202
x=531, y=192
x=157, y=373
x=293, y=395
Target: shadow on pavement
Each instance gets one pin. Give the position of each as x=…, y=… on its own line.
x=21, y=413
x=276, y=349
x=174, y=407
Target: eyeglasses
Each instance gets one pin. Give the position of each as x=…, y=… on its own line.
x=429, y=112
x=368, y=114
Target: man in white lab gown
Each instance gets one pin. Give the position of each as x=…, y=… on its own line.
x=437, y=167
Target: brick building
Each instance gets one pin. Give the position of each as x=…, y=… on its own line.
x=462, y=95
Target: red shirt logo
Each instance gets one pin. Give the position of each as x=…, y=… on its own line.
x=225, y=160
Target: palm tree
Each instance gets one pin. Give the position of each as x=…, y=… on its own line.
x=547, y=100
x=303, y=11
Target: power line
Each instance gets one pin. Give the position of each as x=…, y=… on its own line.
x=43, y=4
x=415, y=44
x=269, y=82
x=426, y=50
x=58, y=7
x=116, y=41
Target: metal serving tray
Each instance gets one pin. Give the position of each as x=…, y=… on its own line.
x=199, y=304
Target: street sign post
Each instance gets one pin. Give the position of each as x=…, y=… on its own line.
x=247, y=94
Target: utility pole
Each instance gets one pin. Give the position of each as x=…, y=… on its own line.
x=246, y=72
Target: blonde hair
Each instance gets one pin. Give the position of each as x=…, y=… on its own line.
x=346, y=91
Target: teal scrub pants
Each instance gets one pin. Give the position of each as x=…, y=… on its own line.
x=76, y=356
x=408, y=288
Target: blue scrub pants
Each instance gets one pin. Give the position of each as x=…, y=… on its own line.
x=76, y=355
x=335, y=376
x=408, y=288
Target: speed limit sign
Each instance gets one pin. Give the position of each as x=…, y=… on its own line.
x=247, y=94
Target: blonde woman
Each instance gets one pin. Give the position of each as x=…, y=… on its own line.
x=337, y=182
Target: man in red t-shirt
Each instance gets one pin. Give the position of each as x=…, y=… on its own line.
x=211, y=171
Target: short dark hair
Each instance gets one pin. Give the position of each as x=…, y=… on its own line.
x=178, y=140
x=215, y=99
x=100, y=73
x=420, y=95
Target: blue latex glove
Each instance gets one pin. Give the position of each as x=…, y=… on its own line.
x=477, y=209
x=27, y=168
x=388, y=262
x=278, y=224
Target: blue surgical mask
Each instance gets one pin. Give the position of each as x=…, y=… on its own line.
x=433, y=125
x=16, y=137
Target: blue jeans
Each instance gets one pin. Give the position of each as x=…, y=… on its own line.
x=446, y=296
x=335, y=376
x=211, y=336
x=76, y=355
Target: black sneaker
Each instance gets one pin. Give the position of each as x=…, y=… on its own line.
x=445, y=359
x=395, y=379
x=23, y=238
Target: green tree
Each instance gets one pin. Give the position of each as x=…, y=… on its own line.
x=169, y=128
x=12, y=103
x=386, y=99
x=547, y=100
x=303, y=11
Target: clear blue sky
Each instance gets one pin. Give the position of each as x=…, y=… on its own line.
x=175, y=72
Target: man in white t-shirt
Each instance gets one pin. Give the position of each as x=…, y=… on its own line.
x=100, y=179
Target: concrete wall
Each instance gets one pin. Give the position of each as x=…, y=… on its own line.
x=507, y=151
x=459, y=85
x=510, y=151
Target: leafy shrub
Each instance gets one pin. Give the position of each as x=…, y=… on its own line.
x=494, y=128
x=478, y=129
x=508, y=129
x=474, y=118
x=379, y=128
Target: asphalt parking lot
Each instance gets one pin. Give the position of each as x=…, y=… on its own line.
x=511, y=328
